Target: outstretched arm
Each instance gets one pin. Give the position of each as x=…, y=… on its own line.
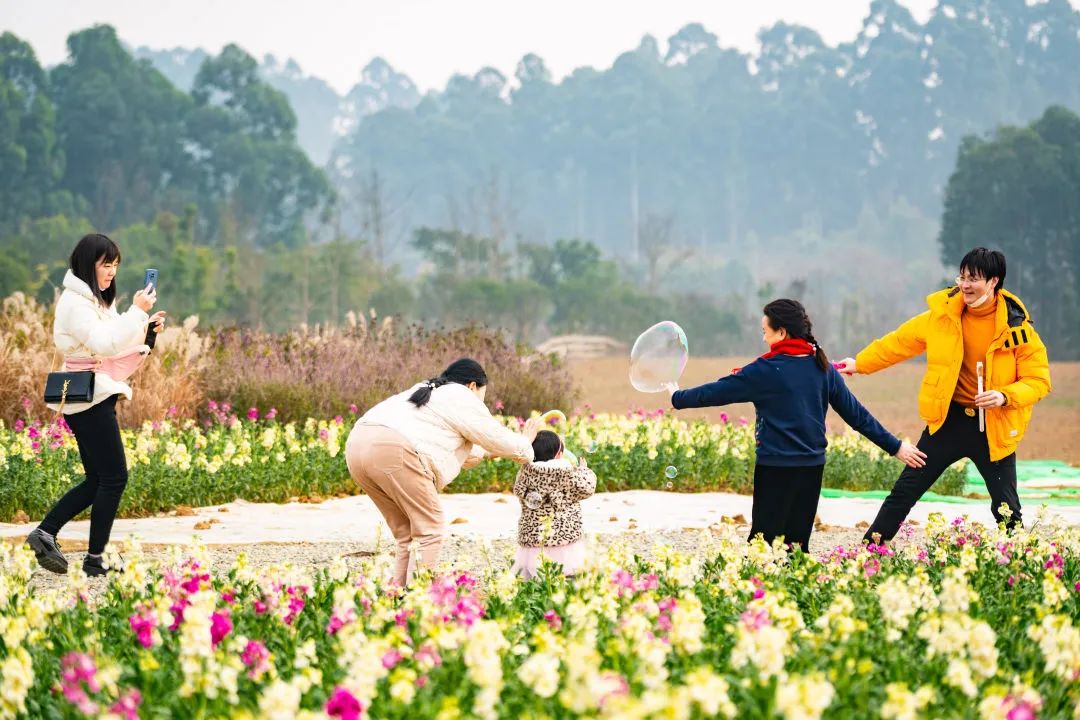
x=737, y=387
x=857, y=416
x=471, y=418
x=903, y=343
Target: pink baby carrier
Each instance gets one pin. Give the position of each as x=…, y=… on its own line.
x=119, y=367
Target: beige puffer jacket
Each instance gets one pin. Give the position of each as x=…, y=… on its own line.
x=453, y=429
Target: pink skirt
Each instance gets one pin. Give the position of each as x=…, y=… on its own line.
x=571, y=557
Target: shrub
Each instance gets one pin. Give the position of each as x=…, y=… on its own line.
x=167, y=384
x=322, y=372
x=230, y=457
x=657, y=451
x=316, y=372
x=26, y=357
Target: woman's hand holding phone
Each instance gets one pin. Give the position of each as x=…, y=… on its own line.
x=145, y=298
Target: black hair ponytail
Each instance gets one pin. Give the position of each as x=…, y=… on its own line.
x=462, y=371
x=819, y=352
x=791, y=316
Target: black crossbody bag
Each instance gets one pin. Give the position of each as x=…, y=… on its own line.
x=63, y=387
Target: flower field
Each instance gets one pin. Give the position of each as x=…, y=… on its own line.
x=971, y=622
x=255, y=457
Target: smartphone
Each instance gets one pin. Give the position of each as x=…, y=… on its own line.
x=151, y=336
x=150, y=277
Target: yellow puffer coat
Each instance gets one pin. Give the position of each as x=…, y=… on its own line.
x=1015, y=364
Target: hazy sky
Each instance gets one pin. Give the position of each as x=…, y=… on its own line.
x=427, y=39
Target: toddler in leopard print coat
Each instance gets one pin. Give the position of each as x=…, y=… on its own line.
x=551, y=490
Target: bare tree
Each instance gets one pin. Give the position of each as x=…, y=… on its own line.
x=501, y=214
x=490, y=213
x=373, y=216
x=380, y=213
x=660, y=251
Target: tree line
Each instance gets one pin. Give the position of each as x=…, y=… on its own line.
x=106, y=137
x=798, y=137
x=598, y=204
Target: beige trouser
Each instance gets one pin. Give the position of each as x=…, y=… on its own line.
x=387, y=468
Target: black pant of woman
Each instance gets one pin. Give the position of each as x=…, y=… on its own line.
x=785, y=503
x=102, y=451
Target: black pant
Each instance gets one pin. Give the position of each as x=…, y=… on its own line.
x=958, y=438
x=785, y=503
x=98, y=434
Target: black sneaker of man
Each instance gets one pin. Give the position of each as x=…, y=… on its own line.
x=47, y=551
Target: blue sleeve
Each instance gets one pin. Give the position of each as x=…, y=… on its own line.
x=854, y=414
x=743, y=386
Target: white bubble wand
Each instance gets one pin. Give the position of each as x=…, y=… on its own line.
x=982, y=412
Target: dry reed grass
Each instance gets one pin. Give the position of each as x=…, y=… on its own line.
x=166, y=384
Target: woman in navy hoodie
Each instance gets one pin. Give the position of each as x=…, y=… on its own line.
x=792, y=387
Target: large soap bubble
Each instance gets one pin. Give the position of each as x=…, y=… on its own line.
x=658, y=357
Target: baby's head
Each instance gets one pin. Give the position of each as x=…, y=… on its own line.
x=547, y=446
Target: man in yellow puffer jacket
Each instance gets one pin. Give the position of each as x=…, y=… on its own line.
x=976, y=321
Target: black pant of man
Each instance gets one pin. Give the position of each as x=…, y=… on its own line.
x=957, y=438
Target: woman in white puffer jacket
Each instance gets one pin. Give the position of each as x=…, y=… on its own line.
x=87, y=326
x=407, y=448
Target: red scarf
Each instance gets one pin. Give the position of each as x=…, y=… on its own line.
x=791, y=346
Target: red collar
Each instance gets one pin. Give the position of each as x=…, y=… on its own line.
x=791, y=346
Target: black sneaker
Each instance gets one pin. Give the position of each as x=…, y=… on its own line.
x=47, y=551
x=94, y=567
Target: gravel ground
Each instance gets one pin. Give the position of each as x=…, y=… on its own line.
x=463, y=552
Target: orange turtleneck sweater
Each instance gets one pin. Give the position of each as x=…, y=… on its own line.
x=978, y=326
